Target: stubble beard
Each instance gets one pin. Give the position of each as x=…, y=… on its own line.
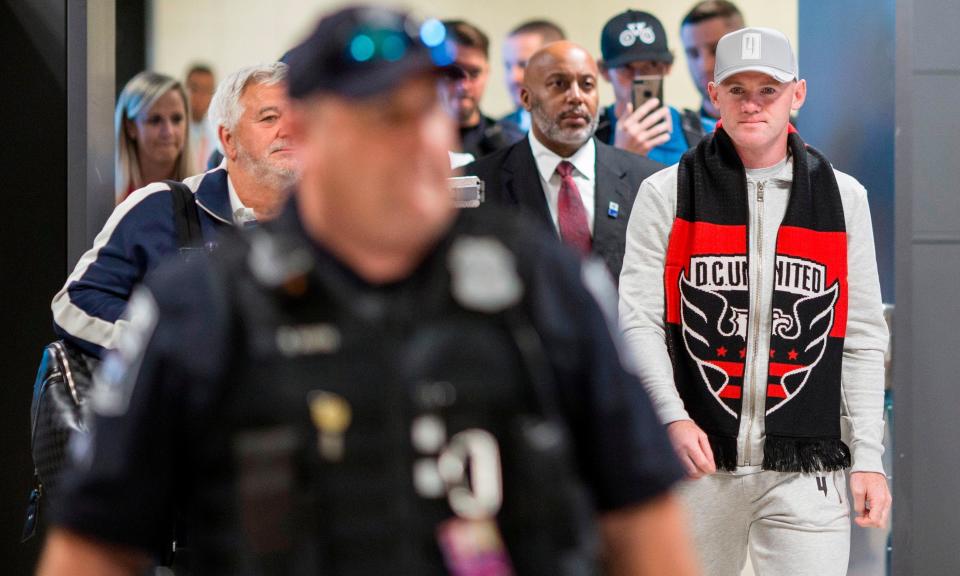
x=550, y=128
x=269, y=174
x=466, y=113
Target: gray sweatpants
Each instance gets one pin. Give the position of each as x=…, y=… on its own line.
x=793, y=524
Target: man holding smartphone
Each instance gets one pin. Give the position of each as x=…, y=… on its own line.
x=634, y=45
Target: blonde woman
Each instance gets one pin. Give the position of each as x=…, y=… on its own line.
x=151, y=129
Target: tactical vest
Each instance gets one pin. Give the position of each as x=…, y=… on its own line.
x=409, y=372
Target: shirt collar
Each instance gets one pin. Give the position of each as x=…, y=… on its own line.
x=782, y=171
x=213, y=194
x=523, y=120
x=241, y=214
x=584, y=159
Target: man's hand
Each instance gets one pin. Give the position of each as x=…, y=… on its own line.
x=692, y=447
x=651, y=539
x=643, y=129
x=871, y=499
x=69, y=554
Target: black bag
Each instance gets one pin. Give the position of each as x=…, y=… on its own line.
x=60, y=390
x=65, y=379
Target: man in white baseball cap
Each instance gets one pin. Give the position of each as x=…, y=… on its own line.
x=750, y=305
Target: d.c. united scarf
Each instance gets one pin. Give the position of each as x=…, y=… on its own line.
x=708, y=297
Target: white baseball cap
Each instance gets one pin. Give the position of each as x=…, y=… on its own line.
x=755, y=50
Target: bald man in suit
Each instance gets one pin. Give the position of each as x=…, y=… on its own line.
x=560, y=174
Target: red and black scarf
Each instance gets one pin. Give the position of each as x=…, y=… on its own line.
x=707, y=302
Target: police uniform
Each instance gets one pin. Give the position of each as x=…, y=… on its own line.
x=307, y=421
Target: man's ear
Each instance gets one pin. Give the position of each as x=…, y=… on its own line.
x=713, y=91
x=525, y=99
x=799, y=95
x=228, y=141
x=604, y=71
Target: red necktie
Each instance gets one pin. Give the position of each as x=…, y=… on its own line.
x=571, y=214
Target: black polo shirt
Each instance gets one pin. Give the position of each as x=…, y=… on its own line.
x=150, y=451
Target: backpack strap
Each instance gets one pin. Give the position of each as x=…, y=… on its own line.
x=692, y=127
x=185, y=217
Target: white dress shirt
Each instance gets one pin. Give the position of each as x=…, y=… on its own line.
x=460, y=159
x=241, y=214
x=584, y=162
x=524, y=122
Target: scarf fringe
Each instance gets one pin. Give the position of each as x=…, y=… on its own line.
x=724, y=452
x=784, y=454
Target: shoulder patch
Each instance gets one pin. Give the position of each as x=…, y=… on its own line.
x=484, y=274
x=115, y=380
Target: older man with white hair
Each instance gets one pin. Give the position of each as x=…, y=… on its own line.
x=250, y=109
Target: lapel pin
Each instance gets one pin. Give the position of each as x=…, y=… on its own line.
x=613, y=210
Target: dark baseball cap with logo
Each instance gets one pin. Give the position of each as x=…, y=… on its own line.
x=634, y=36
x=363, y=51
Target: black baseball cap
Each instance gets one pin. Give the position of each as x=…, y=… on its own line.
x=363, y=51
x=633, y=36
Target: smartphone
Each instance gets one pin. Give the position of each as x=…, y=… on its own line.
x=646, y=88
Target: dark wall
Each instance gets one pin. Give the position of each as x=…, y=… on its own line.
x=846, y=54
x=926, y=502
x=33, y=237
x=131, y=52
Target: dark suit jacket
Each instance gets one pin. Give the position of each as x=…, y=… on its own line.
x=511, y=179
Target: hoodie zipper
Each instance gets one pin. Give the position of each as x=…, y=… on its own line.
x=752, y=397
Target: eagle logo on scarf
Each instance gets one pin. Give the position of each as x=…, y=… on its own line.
x=713, y=311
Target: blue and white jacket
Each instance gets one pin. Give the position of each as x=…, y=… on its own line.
x=139, y=234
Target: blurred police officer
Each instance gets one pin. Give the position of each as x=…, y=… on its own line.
x=370, y=384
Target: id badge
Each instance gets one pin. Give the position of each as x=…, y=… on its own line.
x=473, y=548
